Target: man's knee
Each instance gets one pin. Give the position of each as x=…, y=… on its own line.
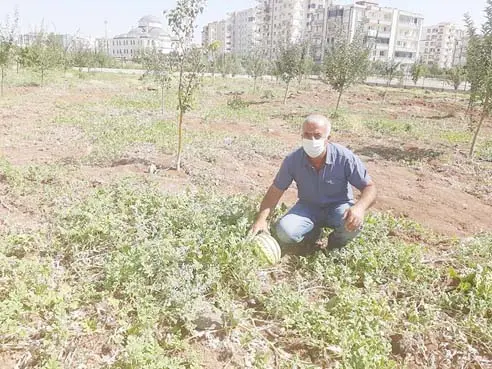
x=288, y=232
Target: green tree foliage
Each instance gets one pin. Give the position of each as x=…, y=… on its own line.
x=289, y=64
x=213, y=49
x=158, y=65
x=306, y=62
x=479, y=68
x=7, y=46
x=256, y=65
x=455, y=77
x=418, y=71
x=228, y=64
x=186, y=60
x=435, y=71
x=44, y=54
x=346, y=63
x=81, y=57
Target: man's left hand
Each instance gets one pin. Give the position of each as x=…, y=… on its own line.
x=354, y=217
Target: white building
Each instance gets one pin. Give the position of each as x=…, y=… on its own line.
x=218, y=31
x=391, y=34
x=284, y=21
x=244, y=31
x=150, y=34
x=65, y=41
x=443, y=45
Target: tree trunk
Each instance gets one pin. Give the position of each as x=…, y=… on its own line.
x=162, y=100
x=42, y=76
x=470, y=106
x=17, y=67
x=386, y=90
x=180, y=140
x=286, y=92
x=254, y=84
x=339, y=98
x=1, y=83
x=482, y=118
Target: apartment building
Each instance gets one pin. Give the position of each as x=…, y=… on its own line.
x=244, y=31
x=218, y=31
x=65, y=41
x=285, y=21
x=443, y=45
x=390, y=33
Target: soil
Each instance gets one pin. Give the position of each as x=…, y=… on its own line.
x=427, y=193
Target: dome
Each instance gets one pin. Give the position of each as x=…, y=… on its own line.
x=135, y=32
x=150, y=21
x=156, y=32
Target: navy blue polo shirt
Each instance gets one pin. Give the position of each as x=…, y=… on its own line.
x=331, y=184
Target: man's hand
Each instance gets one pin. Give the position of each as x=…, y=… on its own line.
x=354, y=217
x=261, y=225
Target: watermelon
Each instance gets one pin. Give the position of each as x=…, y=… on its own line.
x=267, y=248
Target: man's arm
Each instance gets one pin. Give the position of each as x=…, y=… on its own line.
x=268, y=204
x=354, y=217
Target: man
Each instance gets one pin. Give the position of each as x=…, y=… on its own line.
x=324, y=173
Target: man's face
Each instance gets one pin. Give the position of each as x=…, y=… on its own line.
x=314, y=131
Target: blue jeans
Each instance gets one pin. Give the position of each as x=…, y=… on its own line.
x=304, y=223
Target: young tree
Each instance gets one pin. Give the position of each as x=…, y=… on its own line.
x=305, y=62
x=288, y=65
x=228, y=64
x=346, y=63
x=7, y=46
x=44, y=54
x=479, y=68
x=213, y=48
x=158, y=65
x=67, y=52
x=455, y=77
x=187, y=60
x=418, y=70
x=256, y=66
x=390, y=71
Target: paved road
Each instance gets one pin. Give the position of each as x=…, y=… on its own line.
x=429, y=83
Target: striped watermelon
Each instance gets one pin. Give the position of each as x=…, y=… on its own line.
x=267, y=248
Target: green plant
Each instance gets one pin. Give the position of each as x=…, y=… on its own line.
x=345, y=63
x=290, y=64
x=236, y=102
x=7, y=34
x=479, y=68
x=256, y=66
x=418, y=71
x=188, y=61
x=44, y=54
x=158, y=65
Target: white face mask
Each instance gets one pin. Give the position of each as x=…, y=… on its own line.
x=314, y=148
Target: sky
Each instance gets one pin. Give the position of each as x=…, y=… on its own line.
x=87, y=17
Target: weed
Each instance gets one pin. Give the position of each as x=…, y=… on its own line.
x=387, y=127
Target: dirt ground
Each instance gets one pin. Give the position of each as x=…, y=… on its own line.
x=432, y=193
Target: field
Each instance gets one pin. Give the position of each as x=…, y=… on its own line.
x=111, y=258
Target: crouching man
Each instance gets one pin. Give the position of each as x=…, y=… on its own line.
x=323, y=172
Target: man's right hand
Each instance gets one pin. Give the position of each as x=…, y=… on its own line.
x=261, y=225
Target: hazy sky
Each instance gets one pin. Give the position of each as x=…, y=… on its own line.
x=88, y=16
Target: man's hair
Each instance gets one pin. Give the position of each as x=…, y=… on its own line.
x=320, y=120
